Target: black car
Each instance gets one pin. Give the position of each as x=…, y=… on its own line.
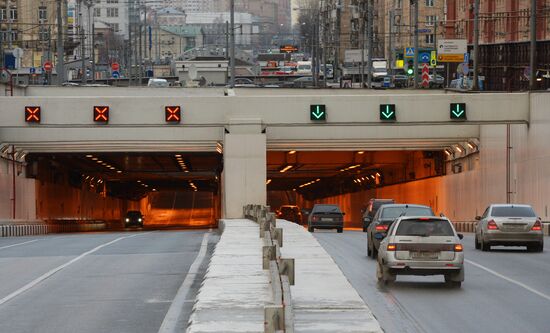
x=372, y=208
x=290, y=213
x=384, y=218
x=325, y=217
x=133, y=218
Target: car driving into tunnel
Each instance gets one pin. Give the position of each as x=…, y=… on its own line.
x=426, y=245
x=326, y=217
x=384, y=218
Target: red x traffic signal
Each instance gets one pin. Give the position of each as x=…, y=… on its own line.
x=172, y=114
x=101, y=114
x=32, y=114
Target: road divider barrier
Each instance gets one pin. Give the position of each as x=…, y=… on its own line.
x=279, y=316
x=465, y=226
x=32, y=228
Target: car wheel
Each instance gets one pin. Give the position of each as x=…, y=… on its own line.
x=369, y=250
x=484, y=246
x=340, y=230
x=476, y=241
x=364, y=229
x=535, y=248
x=383, y=274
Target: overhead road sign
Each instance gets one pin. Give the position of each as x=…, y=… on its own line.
x=458, y=111
x=32, y=114
x=409, y=52
x=101, y=114
x=387, y=112
x=172, y=114
x=288, y=49
x=318, y=112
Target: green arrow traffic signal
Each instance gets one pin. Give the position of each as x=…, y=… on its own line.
x=387, y=112
x=317, y=112
x=458, y=111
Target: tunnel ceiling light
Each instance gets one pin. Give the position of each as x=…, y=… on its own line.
x=373, y=177
x=99, y=161
x=119, y=171
x=360, y=152
x=154, y=190
x=378, y=174
x=459, y=149
x=139, y=181
x=178, y=155
x=351, y=167
x=89, y=156
x=310, y=183
x=286, y=168
x=448, y=152
x=292, y=152
x=219, y=147
x=268, y=182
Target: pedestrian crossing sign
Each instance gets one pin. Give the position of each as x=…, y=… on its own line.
x=409, y=52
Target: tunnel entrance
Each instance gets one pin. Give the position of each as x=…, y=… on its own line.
x=178, y=189
x=349, y=178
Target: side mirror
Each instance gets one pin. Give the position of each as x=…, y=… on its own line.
x=343, y=213
x=460, y=236
x=478, y=218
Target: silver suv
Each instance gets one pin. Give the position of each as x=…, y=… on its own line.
x=421, y=246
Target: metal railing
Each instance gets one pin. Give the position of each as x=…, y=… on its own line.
x=278, y=317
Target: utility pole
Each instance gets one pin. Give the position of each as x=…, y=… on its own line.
x=390, y=46
x=232, y=52
x=60, y=50
x=337, y=49
x=93, y=50
x=82, y=47
x=436, y=23
x=370, y=41
x=363, y=29
x=475, y=85
x=533, y=51
x=8, y=16
x=227, y=40
x=416, y=78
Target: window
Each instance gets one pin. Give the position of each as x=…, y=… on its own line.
x=430, y=3
x=97, y=12
x=114, y=26
x=43, y=34
x=112, y=12
x=42, y=13
x=2, y=14
x=430, y=39
x=13, y=13
x=430, y=20
x=399, y=3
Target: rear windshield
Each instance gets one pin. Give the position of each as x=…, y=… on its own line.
x=133, y=213
x=395, y=212
x=424, y=228
x=288, y=209
x=511, y=211
x=326, y=209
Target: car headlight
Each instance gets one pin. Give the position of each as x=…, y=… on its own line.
x=127, y=220
x=139, y=220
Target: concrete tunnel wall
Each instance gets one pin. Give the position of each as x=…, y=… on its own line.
x=24, y=193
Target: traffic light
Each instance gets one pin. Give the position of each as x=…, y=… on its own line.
x=387, y=112
x=101, y=114
x=172, y=114
x=32, y=114
x=410, y=67
x=317, y=112
x=458, y=111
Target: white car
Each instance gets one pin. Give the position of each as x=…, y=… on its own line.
x=421, y=246
x=158, y=83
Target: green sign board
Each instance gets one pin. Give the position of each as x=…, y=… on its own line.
x=318, y=112
x=458, y=111
x=387, y=112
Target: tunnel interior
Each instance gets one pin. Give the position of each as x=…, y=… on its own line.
x=347, y=178
x=170, y=189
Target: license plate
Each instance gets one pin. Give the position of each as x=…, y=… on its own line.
x=326, y=219
x=425, y=255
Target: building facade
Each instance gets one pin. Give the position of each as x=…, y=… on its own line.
x=504, y=40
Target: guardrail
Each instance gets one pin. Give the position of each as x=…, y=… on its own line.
x=31, y=228
x=279, y=316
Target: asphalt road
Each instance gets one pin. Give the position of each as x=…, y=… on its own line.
x=505, y=290
x=98, y=282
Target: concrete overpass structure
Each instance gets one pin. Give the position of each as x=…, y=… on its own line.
x=246, y=124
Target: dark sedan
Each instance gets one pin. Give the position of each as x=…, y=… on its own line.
x=325, y=217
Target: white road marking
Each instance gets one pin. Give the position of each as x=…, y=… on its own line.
x=8, y=246
x=524, y=286
x=59, y=268
x=170, y=322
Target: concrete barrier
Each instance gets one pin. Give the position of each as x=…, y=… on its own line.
x=18, y=228
x=464, y=226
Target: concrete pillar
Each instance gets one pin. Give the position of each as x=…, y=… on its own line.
x=244, y=167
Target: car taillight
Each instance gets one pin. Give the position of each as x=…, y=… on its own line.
x=458, y=248
x=537, y=226
x=382, y=227
x=391, y=247
x=492, y=225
